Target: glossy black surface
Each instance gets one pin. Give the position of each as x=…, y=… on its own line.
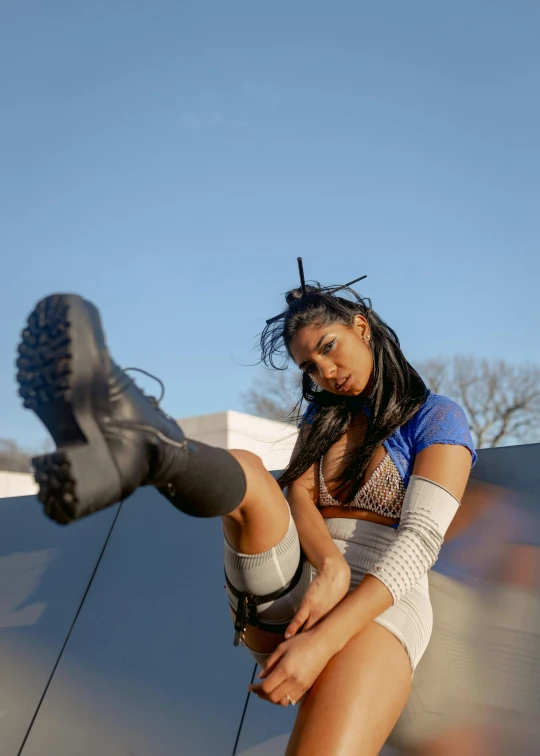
x=45, y=570
x=150, y=668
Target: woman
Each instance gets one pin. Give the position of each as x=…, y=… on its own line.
x=328, y=587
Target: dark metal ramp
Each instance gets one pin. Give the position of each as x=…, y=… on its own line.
x=115, y=635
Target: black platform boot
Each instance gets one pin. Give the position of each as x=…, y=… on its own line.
x=111, y=438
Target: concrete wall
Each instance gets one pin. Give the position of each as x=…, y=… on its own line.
x=16, y=484
x=270, y=440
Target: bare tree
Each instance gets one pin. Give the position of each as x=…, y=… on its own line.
x=13, y=458
x=502, y=401
x=274, y=395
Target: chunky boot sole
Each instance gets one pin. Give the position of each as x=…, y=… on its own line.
x=63, y=376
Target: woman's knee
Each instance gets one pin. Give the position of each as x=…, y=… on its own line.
x=262, y=518
x=260, y=483
x=248, y=460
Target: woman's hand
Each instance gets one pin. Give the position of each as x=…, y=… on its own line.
x=324, y=593
x=293, y=668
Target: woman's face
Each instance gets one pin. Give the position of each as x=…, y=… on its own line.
x=336, y=357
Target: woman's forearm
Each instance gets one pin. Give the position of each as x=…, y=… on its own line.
x=427, y=511
x=360, y=607
x=316, y=541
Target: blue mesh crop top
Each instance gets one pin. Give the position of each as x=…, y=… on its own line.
x=438, y=421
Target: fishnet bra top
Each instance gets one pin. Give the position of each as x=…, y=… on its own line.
x=383, y=493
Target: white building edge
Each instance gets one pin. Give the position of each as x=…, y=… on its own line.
x=272, y=441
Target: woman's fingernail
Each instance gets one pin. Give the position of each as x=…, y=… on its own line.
x=287, y=635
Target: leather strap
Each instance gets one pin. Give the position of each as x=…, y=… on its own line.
x=246, y=612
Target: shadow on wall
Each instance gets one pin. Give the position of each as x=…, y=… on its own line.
x=20, y=576
x=44, y=573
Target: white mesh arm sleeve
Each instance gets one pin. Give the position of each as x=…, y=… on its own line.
x=428, y=510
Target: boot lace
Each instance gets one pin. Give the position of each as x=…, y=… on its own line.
x=155, y=403
x=152, y=399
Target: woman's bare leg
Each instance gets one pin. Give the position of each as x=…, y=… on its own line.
x=257, y=525
x=356, y=701
x=262, y=519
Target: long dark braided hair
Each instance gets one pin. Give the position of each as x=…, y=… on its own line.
x=397, y=390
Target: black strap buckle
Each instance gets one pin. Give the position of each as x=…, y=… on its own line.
x=246, y=611
x=246, y=614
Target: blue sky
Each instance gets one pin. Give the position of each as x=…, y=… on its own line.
x=170, y=160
